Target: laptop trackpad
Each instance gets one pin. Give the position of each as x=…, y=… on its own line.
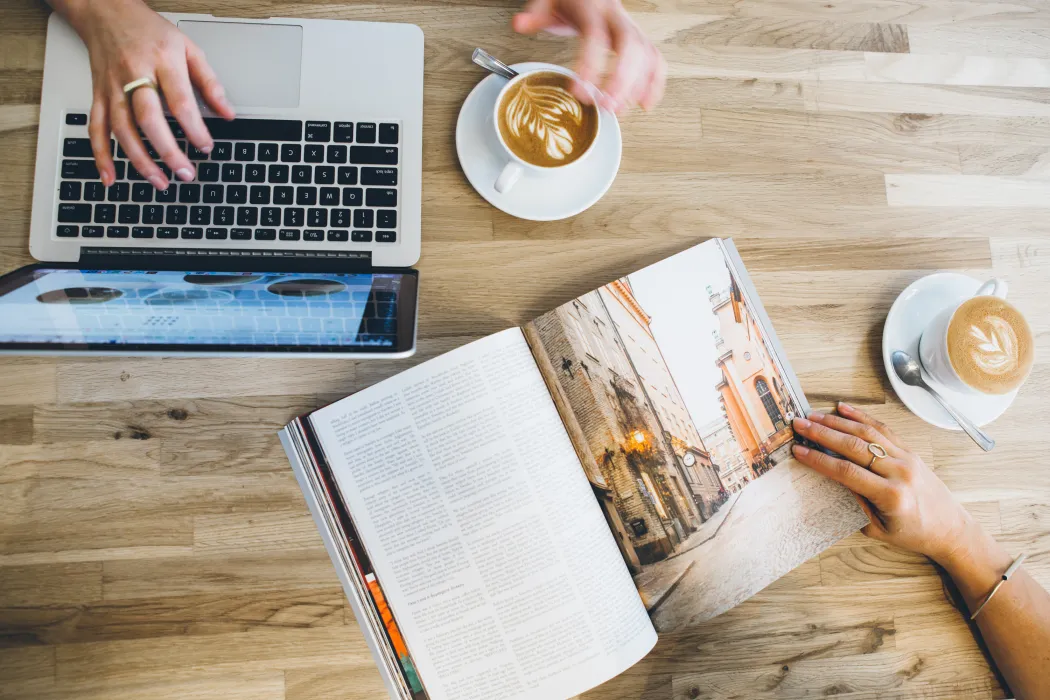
x=258, y=64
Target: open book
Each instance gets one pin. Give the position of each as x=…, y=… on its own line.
x=519, y=517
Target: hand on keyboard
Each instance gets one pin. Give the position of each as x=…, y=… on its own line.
x=126, y=41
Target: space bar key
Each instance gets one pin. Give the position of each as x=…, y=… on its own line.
x=255, y=129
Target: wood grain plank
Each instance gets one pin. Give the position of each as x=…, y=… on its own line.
x=906, y=190
x=957, y=70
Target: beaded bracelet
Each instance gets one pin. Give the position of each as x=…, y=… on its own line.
x=1006, y=577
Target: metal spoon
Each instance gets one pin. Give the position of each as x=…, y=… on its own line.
x=490, y=63
x=907, y=368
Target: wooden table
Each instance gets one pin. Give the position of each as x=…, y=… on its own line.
x=153, y=543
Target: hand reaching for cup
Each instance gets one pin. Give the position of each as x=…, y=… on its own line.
x=639, y=73
x=126, y=41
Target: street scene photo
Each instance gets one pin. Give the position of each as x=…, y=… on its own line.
x=678, y=407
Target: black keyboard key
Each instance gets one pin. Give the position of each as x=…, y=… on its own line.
x=76, y=119
x=294, y=216
x=329, y=197
x=223, y=150
x=380, y=198
x=79, y=170
x=318, y=131
x=69, y=191
x=277, y=174
x=265, y=234
x=283, y=195
x=386, y=236
x=240, y=234
x=208, y=172
x=176, y=128
x=118, y=192
x=324, y=175
x=128, y=213
x=236, y=194
x=120, y=152
x=77, y=148
x=192, y=233
x=317, y=217
x=232, y=172
x=142, y=192
x=212, y=194
x=366, y=132
x=364, y=218
x=289, y=234
x=269, y=152
x=150, y=150
x=92, y=232
x=344, y=132
x=142, y=232
x=338, y=236
x=216, y=234
x=337, y=154
x=152, y=214
x=244, y=151
x=116, y=232
x=132, y=173
x=118, y=169
x=190, y=193
x=223, y=216
x=255, y=129
x=302, y=174
x=386, y=218
x=167, y=232
x=313, y=153
x=348, y=175
x=94, y=191
x=175, y=214
x=259, y=194
x=104, y=213
x=291, y=153
x=313, y=235
x=255, y=172
x=384, y=177
x=271, y=216
x=200, y=216
x=361, y=236
x=340, y=218
x=373, y=155
x=168, y=195
x=388, y=133
x=195, y=154
x=352, y=197
x=247, y=216
x=306, y=196
x=67, y=231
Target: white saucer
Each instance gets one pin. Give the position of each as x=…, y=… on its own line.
x=908, y=317
x=535, y=197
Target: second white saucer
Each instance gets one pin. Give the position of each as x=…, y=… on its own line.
x=908, y=317
x=550, y=197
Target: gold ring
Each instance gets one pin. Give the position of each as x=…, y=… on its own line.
x=877, y=452
x=141, y=82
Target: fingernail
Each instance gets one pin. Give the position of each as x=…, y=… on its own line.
x=843, y=404
x=184, y=174
x=800, y=450
x=159, y=182
x=206, y=149
x=802, y=423
x=815, y=415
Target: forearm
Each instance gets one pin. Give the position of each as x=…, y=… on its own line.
x=1015, y=624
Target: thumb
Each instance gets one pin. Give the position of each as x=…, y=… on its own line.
x=535, y=17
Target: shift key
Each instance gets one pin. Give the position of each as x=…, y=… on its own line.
x=373, y=155
x=74, y=213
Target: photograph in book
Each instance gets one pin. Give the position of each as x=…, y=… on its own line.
x=680, y=410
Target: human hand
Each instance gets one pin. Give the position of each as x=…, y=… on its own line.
x=126, y=40
x=907, y=504
x=639, y=73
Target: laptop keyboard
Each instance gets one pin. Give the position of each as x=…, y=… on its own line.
x=265, y=180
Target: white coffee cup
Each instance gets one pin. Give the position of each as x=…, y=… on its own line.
x=515, y=166
x=933, y=345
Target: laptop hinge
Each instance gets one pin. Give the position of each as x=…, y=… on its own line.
x=225, y=260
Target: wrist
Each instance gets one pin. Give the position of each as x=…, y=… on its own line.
x=82, y=13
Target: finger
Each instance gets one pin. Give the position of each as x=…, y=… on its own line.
x=630, y=66
x=594, y=41
x=865, y=505
x=128, y=136
x=875, y=532
x=207, y=82
x=857, y=479
x=852, y=413
x=536, y=16
x=98, y=132
x=868, y=433
x=654, y=89
x=851, y=447
x=178, y=93
x=149, y=114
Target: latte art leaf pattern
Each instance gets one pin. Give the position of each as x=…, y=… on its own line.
x=543, y=111
x=996, y=348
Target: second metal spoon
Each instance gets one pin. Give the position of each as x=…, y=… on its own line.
x=490, y=63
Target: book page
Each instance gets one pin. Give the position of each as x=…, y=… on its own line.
x=495, y=558
x=678, y=398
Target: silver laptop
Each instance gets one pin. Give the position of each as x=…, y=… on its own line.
x=321, y=172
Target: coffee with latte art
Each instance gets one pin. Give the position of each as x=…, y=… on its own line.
x=990, y=345
x=543, y=124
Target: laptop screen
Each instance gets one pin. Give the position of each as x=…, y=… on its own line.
x=44, y=308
